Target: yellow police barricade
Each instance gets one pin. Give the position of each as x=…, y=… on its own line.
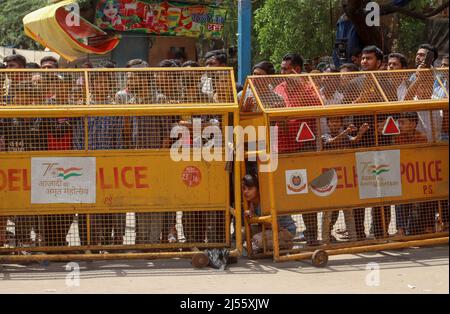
x=358, y=162
x=117, y=163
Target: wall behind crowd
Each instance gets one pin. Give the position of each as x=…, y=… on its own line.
x=30, y=55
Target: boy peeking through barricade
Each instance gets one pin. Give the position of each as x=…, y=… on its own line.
x=287, y=226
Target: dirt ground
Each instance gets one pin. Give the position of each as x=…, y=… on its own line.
x=414, y=270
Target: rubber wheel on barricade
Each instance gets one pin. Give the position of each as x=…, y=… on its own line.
x=319, y=258
x=200, y=260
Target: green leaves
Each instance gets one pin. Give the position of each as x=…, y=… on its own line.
x=294, y=26
x=11, y=26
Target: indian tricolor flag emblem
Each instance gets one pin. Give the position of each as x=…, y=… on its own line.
x=68, y=173
x=378, y=170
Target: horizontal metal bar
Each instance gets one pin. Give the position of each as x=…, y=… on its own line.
x=262, y=219
x=96, y=70
x=347, y=244
x=100, y=257
x=157, y=152
x=365, y=205
x=367, y=248
x=341, y=151
x=353, y=74
x=41, y=210
x=355, y=109
x=126, y=110
x=133, y=247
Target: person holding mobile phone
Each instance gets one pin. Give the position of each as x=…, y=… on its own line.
x=425, y=57
x=425, y=85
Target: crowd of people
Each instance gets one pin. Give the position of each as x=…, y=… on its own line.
x=105, y=133
x=341, y=132
x=153, y=132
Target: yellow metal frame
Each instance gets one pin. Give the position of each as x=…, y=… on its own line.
x=85, y=111
x=338, y=110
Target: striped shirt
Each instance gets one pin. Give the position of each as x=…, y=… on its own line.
x=148, y=132
x=104, y=133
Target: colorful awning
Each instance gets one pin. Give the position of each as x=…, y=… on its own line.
x=66, y=33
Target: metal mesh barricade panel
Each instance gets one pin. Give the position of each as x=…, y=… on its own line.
x=111, y=86
x=294, y=91
x=111, y=110
x=348, y=88
x=285, y=92
x=160, y=87
x=352, y=227
x=43, y=88
x=414, y=85
x=376, y=132
x=108, y=133
x=113, y=230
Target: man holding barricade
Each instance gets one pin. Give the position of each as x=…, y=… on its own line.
x=148, y=132
x=396, y=62
x=429, y=85
x=105, y=133
x=372, y=58
x=297, y=92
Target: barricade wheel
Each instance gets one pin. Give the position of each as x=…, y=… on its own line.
x=200, y=260
x=320, y=258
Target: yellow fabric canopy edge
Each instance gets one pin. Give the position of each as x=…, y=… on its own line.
x=42, y=26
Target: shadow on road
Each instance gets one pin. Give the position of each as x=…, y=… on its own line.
x=410, y=258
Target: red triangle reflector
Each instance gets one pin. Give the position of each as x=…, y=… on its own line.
x=305, y=134
x=391, y=127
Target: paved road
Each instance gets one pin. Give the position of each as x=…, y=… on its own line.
x=424, y=270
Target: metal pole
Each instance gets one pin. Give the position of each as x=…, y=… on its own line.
x=244, y=39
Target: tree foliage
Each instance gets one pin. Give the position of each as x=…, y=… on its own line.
x=11, y=26
x=308, y=26
x=297, y=25
x=12, y=13
x=411, y=33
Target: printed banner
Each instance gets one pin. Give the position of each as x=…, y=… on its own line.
x=166, y=18
x=379, y=174
x=63, y=180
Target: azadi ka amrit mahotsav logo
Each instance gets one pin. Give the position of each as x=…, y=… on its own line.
x=378, y=170
x=66, y=174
